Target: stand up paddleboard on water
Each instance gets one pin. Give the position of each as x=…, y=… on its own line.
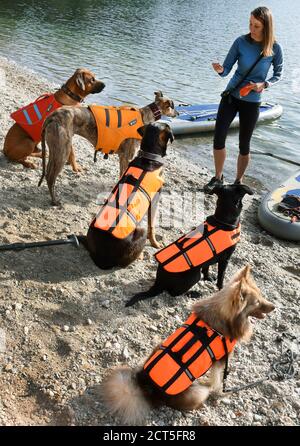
x=199, y=118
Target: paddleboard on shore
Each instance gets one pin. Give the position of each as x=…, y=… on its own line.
x=274, y=221
x=202, y=117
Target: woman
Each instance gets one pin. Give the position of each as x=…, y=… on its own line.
x=246, y=50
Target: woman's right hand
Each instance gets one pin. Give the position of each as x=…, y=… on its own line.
x=217, y=67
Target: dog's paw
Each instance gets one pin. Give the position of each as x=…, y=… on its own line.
x=141, y=256
x=29, y=165
x=77, y=168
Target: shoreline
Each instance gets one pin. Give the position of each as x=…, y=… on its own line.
x=64, y=319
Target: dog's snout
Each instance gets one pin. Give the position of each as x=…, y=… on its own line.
x=267, y=308
x=98, y=87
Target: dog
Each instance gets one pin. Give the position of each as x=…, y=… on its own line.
x=114, y=237
x=204, y=341
x=60, y=127
x=214, y=241
x=22, y=138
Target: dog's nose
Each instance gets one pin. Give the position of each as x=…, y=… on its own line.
x=99, y=87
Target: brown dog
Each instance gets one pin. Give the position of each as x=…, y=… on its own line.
x=205, y=340
x=60, y=127
x=18, y=144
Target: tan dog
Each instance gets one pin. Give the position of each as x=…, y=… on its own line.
x=18, y=145
x=60, y=127
x=222, y=319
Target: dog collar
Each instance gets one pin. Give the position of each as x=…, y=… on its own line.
x=212, y=217
x=155, y=110
x=70, y=93
x=150, y=156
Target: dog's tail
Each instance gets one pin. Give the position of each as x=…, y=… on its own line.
x=43, y=155
x=155, y=290
x=123, y=397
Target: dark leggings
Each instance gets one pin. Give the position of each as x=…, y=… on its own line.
x=248, y=114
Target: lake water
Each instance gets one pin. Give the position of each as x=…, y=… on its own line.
x=137, y=47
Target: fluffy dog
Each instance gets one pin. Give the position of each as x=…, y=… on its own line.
x=19, y=144
x=114, y=237
x=168, y=375
x=214, y=241
x=60, y=127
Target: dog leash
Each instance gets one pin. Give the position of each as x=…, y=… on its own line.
x=282, y=369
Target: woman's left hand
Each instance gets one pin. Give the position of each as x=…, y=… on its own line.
x=258, y=86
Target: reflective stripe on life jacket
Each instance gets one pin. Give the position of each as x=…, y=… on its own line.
x=186, y=355
x=129, y=201
x=197, y=247
x=32, y=116
x=115, y=124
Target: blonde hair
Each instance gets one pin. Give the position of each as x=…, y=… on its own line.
x=264, y=15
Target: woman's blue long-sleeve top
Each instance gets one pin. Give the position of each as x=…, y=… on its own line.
x=246, y=51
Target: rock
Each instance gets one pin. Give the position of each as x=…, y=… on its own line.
x=66, y=328
x=105, y=304
x=126, y=353
x=226, y=401
x=153, y=328
x=8, y=367
x=257, y=417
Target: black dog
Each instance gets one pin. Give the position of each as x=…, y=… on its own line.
x=114, y=237
x=181, y=263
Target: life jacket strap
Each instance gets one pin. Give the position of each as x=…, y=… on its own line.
x=127, y=179
x=183, y=251
x=226, y=371
x=200, y=334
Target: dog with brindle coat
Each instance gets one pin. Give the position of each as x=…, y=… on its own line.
x=18, y=144
x=217, y=236
x=115, y=237
x=64, y=123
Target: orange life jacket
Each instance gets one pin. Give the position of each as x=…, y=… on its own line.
x=186, y=355
x=32, y=116
x=128, y=201
x=197, y=247
x=115, y=124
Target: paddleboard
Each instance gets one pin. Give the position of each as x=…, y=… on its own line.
x=274, y=221
x=202, y=117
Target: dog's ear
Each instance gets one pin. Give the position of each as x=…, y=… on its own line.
x=243, y=189
x=158, y=95
x=80, y=80
x=217, y=189
x=141, y=130
x=243, y=272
